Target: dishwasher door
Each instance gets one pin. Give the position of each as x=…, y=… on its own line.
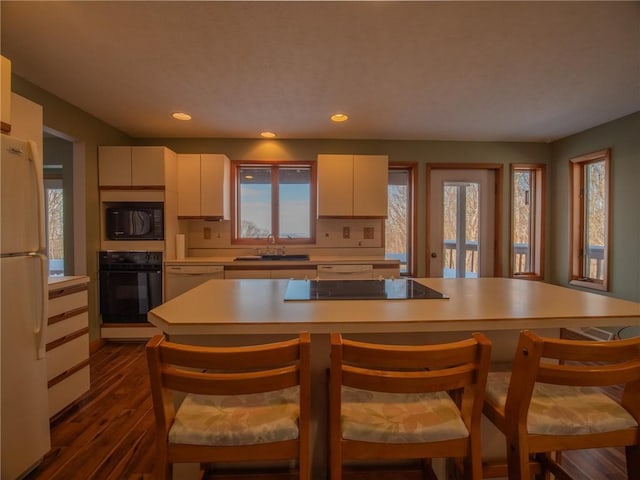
x=345, y=272
x=181, y=278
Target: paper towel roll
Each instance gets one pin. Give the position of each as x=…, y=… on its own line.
x=180, y=246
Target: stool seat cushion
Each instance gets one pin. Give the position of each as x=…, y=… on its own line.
x=399, y=417
x=221, y=420
x=564, y=410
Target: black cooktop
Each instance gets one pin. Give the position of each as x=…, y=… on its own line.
x=397, y=289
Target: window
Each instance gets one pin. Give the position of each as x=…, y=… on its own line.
x=399, y=222
x=276, y=198
x=54, y=214
x=590, y=176
x=527, y=221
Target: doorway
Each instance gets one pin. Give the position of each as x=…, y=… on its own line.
x=463, y=220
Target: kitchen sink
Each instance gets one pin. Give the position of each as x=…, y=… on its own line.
x=275, y=257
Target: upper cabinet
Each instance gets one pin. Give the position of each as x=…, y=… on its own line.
x=203, y=186
x=137, y=168
x=5, y=95
x=352, y=185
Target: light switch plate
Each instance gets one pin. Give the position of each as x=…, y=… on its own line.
x=368, y=233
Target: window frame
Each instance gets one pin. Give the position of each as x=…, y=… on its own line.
x=412, y=169
x=54, y=180
x=577, y=222
x=275, y=217
x=537, y=221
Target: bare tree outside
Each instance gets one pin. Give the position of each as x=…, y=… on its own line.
x=398, y=224
x=251, y=230
x=455, y=193
x=396, y=228
x=595, y=218
x=522, y=218
x=55, y=224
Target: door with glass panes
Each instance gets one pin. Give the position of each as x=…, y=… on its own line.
x=461, y=229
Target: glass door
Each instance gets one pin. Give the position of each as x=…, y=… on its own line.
x=461, y=223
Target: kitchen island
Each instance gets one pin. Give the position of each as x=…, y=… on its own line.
x=235, y=312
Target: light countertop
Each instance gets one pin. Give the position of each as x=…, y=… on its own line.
x=313, y=260
x=257, y=306
x=67, y=281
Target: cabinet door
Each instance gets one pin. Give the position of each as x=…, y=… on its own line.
x=188, y=185
x=335, y=185
x=370, y=185
x=5, y=97
x=214, y=186
x=114, y=166
x=147, y=166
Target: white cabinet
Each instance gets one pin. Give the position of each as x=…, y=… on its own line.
x=67, y=340
x=203, y=186
x=345, y=272
x=352, y=185
x=137, y=167
x=5, y=94
x=295, y=273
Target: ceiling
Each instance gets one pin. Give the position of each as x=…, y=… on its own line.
x=488, y=71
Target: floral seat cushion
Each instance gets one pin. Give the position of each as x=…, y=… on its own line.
x=237, y=419
x=564, y=410
x=399, y=417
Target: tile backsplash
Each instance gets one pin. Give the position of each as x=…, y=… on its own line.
x=336, y=236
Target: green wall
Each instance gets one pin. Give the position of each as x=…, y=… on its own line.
x=623, y=137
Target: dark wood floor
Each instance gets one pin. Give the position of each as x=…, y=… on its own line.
x=108, y=434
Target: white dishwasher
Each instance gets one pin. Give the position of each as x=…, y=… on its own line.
x=180, y=278
x=345, y=272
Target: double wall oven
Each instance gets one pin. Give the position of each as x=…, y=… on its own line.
x=130, y=285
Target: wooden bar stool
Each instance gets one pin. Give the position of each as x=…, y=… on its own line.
x=543, y=406
x=394, y=402
x=243, y=404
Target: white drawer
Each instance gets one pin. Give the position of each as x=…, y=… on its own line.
x=65, y=303
x=65, y=356
x=67, y=326
x=297, y=274
x=68, y=390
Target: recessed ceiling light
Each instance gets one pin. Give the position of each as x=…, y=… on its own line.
x=339, y=117
x=181, y=116
x=268, y=134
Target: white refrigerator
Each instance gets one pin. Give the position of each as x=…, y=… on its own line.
x=24, y=422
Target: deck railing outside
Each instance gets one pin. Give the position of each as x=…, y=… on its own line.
x=522, y=261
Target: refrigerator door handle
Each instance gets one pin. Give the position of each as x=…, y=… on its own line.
x=38, y=175
x=41, y=322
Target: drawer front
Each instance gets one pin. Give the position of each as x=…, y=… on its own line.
x=296, y=274
x=66, y=325
x=232, y=274
x=61, y=357
x=68, y=390
x=64, y=303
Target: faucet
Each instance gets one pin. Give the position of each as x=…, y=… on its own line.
x=271, y=240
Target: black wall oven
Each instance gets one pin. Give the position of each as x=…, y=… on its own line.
x=130, y=285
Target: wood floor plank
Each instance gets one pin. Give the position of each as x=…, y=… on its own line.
x=108, y=434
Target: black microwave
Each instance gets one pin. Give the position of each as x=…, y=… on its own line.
x=134, y=221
